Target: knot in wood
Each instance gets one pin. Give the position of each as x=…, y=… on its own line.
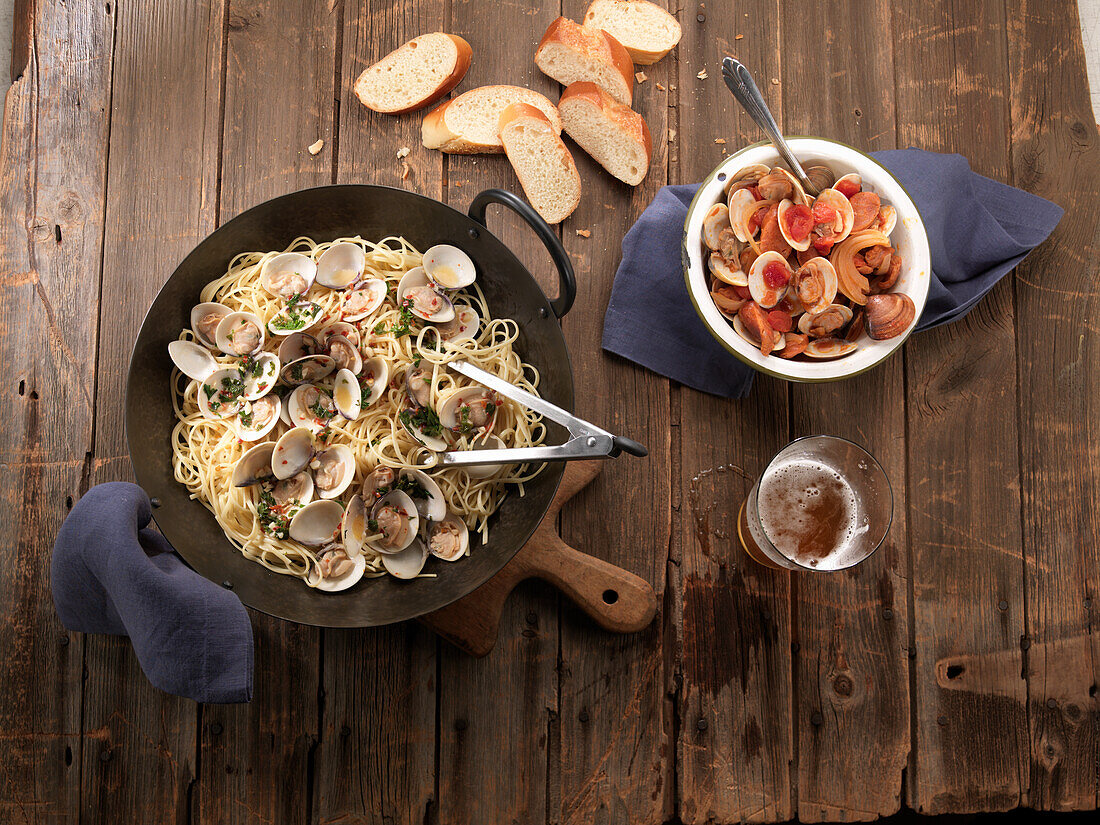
x=843, y=685
x=69, y=206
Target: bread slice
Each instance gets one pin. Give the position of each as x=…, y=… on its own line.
x=646, y=30
x=543, y=165
x=415, y=74
x=614, y=134
x=470, y=123
x=569, y=52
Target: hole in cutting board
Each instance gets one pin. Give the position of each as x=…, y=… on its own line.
x=610, y=596
x=955, y=671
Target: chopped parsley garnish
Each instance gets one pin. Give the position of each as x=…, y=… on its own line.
x=424, y=419
x=372, y=525
x=412, y=487
x=402, y=327
x=320, y=411
x=295, y=316
x=232, y=388
x=274, y=518
x=296, y=372
x=250, y=366
x=246, y=417
x=210, y=391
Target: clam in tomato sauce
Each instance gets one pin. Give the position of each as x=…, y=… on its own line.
x=802, y=277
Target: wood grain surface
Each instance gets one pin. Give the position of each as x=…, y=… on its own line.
x=955, y=671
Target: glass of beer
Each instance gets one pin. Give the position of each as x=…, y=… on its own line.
x=823, y=503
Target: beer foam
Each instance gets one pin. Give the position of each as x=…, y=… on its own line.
x=786, y=502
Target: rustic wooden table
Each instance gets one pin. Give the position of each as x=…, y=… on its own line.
x=955, y=671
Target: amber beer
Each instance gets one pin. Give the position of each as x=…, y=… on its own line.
x=818, y=506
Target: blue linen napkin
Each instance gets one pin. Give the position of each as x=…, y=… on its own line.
x=112, y=573
x=978, y=230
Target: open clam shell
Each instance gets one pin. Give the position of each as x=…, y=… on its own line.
x=449, y=267
x=721, y=269
x=298, y=345
x=349, y=331
x=825, y=348
x=292, y=453
x=240, y=333
x=486, y=441
x=347, y=395
x=336, y=569
x=425, y=301
x=468, y=409
x=717, y=219
x=317, y=522
x=826, y=323
x=333, y=469
x=296, y=489
x=373, y=379
x=425, y=494
x=288, y=274
x=747, y=177
x=262, y=376
x=353, y=529
x=463, y=327
x=798, y=194
x=851, y=181
x=796, y=223
x=345, y=354
x=193, y=360
x=363, y=299
x=887, y=219
x=397, y=522
x=418, y=386
x=408, y=420
x=255, y=419
x=742, y=206
x=341, y=265
x=254, y=466
x=205, y=318
x=296, y=317
x=815, y=285
x=310, y=406
x=219, y=394
x=408, y=563
x=845, y=216
x=764, y=294
x=448, y=538
x=307, y=370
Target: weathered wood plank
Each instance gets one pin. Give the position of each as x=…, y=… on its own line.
x=851, y=670
x=615, y=759
x=1056, y=154
x=970, y=734
x=375, y=760
x=52, y=172
x=500, y=710
x=281, y=55
x=735, y=748
x=140, y=763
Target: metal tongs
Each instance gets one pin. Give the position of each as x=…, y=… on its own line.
x=586, y=440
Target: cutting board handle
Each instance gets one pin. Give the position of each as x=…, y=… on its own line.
x=617, y=600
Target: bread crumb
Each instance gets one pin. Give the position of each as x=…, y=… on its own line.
x=671, y=88
x=739, y=37
x=660, y=87
x=775, y=81
x=403, y=152
x=314, y=148
x=404, y=171
x=640, y=77
x=702, y=75
x=585, y=233
x=719, y=140
x=671, y=135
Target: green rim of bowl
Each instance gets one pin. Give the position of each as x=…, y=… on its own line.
x=686, y=263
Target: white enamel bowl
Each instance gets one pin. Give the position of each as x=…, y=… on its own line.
x=908, y=237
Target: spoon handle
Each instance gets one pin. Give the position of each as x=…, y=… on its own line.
x=744, y=88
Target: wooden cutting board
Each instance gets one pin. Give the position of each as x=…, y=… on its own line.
x=617, y=600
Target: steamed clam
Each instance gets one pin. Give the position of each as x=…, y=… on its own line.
x=288, y=274
x=448, y=538
x=347, y=395
x=296, y=316
x=769, y=276
x=485, y=441
x=298, y=345
x=406, y=563
x=363, y=299
x=815, y=284
x=418, y=385
x=339, y=328
x=292, y=453
x=255, y=419
x=341, y=265
x=307, y=370
x=373, y=379
x=426, y=495
x=449, y=267
x=310, y=406
x=333, y=469
x=462, y=327
x=344, y=354
x=825, y=348
x=825, y=323
x=259, y=374
x=219, y=394
x=192, y=360
x=254, y=466
x=296, y=490
x=204, y=322
x=377, y=483
x=240, y=333
x=468, y=410
x=353, y=529
x=317, y=522
x=889, y=315
x=336, y=569
x=393, y=523
x=423, y=299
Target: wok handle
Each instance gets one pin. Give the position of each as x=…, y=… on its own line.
x=567, y=280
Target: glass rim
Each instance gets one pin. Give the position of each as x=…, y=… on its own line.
x=866, y=452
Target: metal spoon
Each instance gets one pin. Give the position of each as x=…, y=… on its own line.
x=740, y=82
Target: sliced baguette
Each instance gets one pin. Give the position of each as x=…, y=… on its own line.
x=414, y=75
x=614, y=134
x=542, y=162
x=570, y=52
x=647, y=31
x=470, y=123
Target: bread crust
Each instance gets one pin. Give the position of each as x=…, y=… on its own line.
x=592, y=43
x=640, y=55
x=462, y=65
x=622, y=117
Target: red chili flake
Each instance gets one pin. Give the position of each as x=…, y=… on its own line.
x=779, y=320
x=776, y=274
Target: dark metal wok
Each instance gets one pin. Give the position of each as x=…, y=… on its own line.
x=325, y=213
